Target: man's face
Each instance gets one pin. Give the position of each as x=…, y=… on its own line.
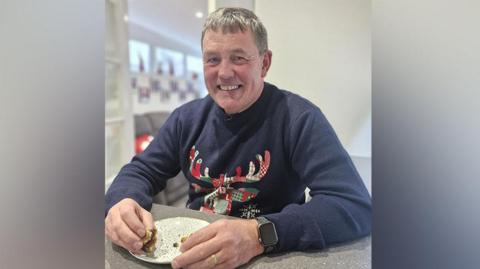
x=234, y=70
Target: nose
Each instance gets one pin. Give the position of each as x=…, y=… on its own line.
x=225, y=70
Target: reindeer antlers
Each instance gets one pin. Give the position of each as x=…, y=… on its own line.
x=195, y=167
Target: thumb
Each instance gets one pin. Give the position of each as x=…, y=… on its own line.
x=147, y=219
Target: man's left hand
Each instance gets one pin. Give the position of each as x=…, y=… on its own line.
x=222, y=244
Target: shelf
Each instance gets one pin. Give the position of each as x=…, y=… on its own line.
x=114, y=120
x=113, y=60
x=119, y=132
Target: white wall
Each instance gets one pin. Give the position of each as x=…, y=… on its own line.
x=143, y=34
x=322, y=51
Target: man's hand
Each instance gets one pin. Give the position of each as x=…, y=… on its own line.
x=222, y=244
x=126, y=223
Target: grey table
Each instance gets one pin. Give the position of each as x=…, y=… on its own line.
x=356, y=254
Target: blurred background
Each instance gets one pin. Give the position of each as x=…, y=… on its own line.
x=321, y=50
x=425, y=111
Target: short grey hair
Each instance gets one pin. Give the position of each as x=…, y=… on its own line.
x=234, y=19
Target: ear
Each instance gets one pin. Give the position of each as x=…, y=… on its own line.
x=266, y=62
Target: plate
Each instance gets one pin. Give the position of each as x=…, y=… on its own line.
x=170, y=231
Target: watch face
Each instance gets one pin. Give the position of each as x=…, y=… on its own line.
x=268, y=234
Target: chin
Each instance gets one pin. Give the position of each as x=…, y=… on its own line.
x=226, y=103
x=229, y=109
x=229, y=106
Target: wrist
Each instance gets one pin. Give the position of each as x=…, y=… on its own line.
x=267, y=234
x=258, y=247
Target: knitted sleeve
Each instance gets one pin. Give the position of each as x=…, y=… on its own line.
x=148, y=172
x=340, y=208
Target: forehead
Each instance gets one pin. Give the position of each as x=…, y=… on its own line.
x=220, y=41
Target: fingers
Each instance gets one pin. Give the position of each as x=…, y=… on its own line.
x=223, y=259
x=116, y=240
x=213, y=261
x=123, y=225
x=197, y=253
x=127, y=236
x=147, y=219
x=120, y=234
x=227, y=244
x=131, y=216
x=218, y=260
x=202, y=235
x=225, y=265
x=114, y=237
x=199, y=247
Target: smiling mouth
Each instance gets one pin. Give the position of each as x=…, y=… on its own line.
x=228, y=87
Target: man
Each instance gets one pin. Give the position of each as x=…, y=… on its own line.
x=248, y=150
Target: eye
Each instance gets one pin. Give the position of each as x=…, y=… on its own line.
x=238, y=59
x=213, y=60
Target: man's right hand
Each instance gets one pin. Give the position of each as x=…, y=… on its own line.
x=126, y=223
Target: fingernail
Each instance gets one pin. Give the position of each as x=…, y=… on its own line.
x=138, y=245
x=174, y=264
x=141, y=233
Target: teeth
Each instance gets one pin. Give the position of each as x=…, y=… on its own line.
x=228, y=88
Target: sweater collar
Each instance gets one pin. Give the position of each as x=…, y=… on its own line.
x=253, y=111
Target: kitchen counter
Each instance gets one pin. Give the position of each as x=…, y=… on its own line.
x=356, y=254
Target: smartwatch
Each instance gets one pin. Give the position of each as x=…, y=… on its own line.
x=267, y=234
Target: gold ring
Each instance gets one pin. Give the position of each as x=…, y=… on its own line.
x=214, y=257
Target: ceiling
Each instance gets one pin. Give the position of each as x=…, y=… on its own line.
x=174, y=19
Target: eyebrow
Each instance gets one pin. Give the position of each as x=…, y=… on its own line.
x=208, y=53
x=238, y=51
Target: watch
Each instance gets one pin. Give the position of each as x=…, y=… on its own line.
x=267, y=234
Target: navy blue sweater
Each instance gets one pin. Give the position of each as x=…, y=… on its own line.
x=257, y=162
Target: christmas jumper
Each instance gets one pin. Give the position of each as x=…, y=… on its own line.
x=257, y=162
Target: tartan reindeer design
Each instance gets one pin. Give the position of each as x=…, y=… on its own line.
x=218, y=198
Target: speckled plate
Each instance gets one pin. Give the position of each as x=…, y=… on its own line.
x=170, y=231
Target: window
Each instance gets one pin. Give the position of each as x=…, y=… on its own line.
x=139, y=54
x=195, y=74
x=194, y=65
x=169, y=62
